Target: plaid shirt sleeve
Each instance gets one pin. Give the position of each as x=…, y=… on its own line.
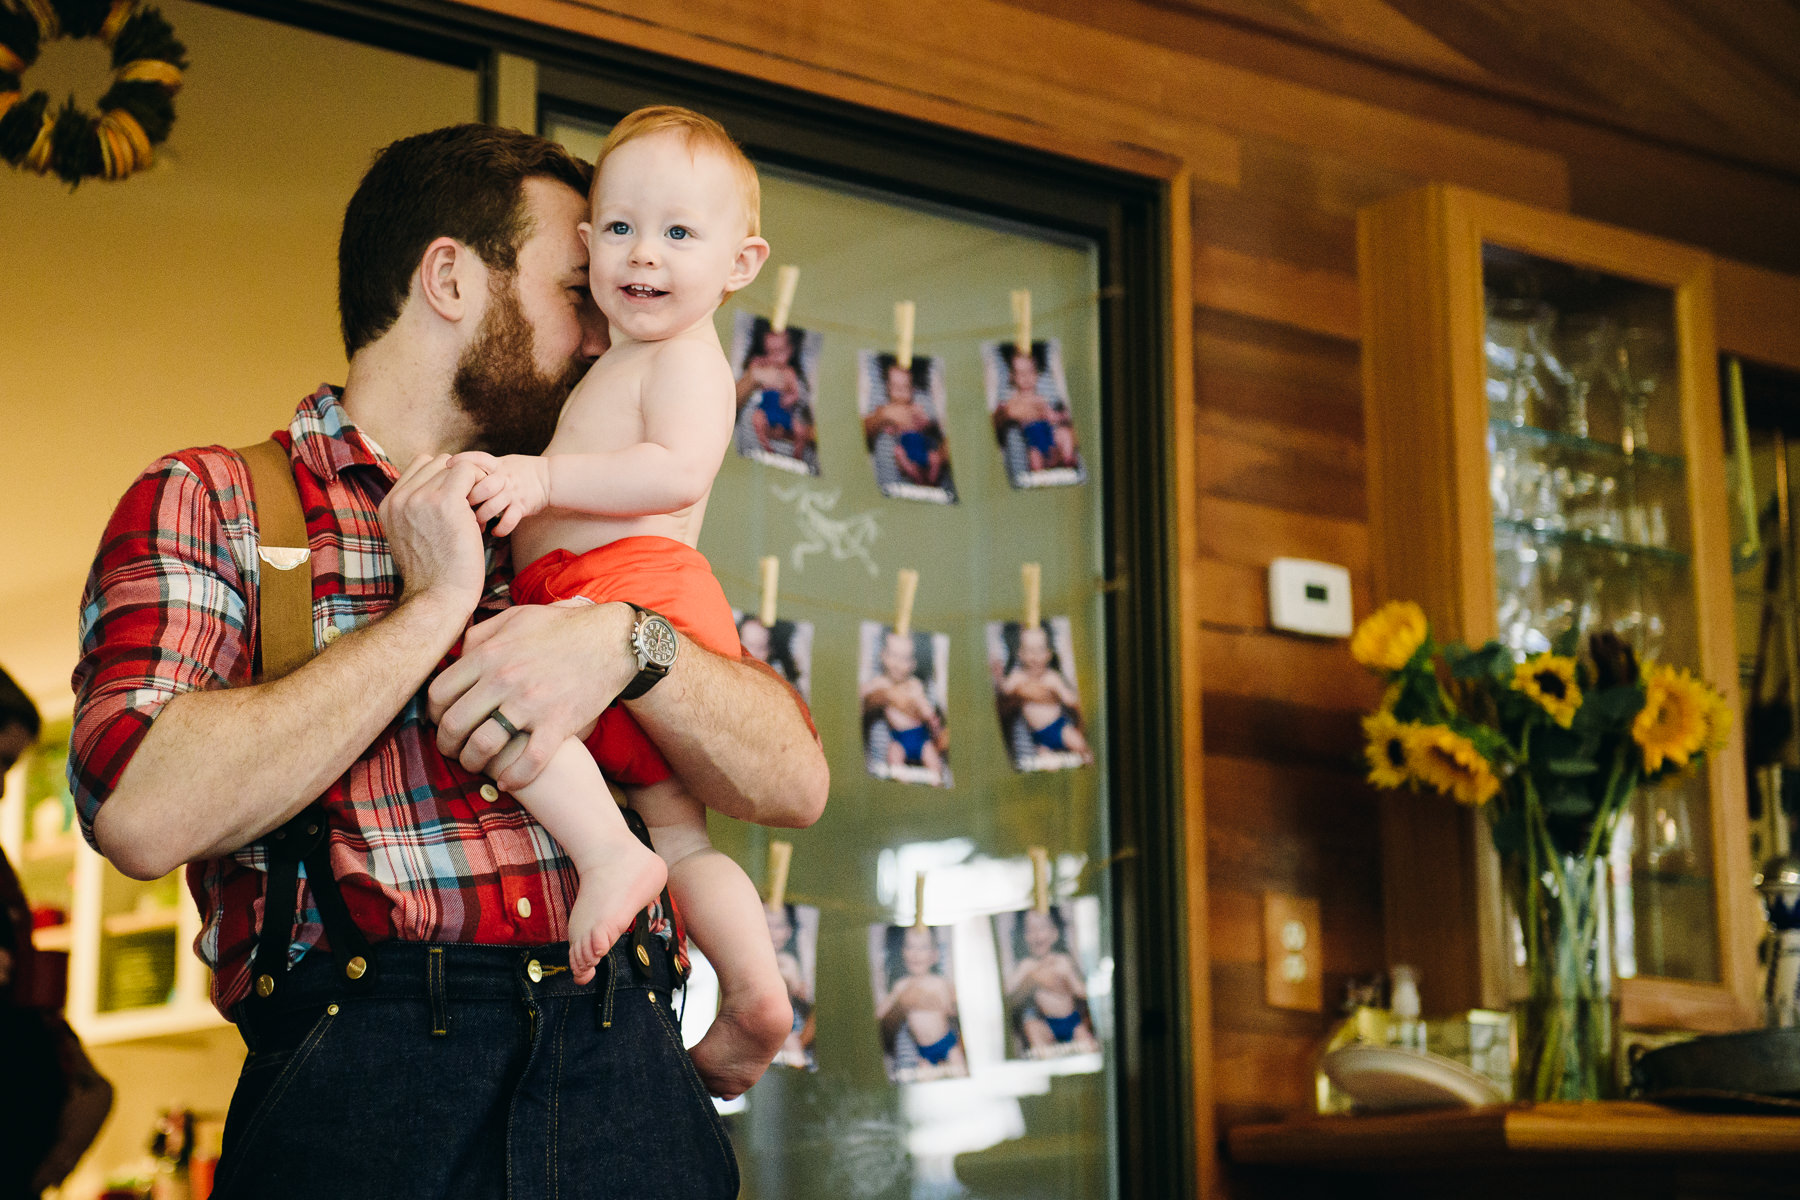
x=163, y=613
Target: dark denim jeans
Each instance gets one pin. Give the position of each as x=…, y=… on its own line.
x=454, y=1073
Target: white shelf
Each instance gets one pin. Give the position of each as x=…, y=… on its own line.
x=53, y=937
x=145, y=920
x=161, y=1020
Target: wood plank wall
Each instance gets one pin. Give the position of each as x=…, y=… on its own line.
x=1280, y=146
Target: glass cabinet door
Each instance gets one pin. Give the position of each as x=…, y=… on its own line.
x=1546, y=454
x=1587, y=487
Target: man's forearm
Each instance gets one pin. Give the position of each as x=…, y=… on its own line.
x=738, y=738
x=218, y=769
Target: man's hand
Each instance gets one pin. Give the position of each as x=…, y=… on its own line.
x=433, y=532
x=515, y=487
x=552, y=669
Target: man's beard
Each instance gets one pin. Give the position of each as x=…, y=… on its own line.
x=511, y=404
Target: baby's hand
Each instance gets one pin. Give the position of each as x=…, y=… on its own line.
x=515, y=487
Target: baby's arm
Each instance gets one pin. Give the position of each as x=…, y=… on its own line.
x=724, y=916
x=688, y=402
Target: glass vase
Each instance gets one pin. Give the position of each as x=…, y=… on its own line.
x=1566, y=1029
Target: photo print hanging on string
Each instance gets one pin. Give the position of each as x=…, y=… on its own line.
x=905, y=708
x=794, y=932
x=1044, y=968
x=774, y=640
x=1028, y=402
x=915, y=1002
x=1032, y=662
x=776, y=365
x=905, y=722
x=900, y=398
x=1038, y=703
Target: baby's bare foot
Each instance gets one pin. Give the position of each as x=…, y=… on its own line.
x=742, y=1042
x=618, y=883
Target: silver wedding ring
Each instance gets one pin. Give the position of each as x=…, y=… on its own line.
x=498, y=718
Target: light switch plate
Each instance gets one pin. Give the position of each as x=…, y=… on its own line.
x=1294, y=959
x=1309, y=597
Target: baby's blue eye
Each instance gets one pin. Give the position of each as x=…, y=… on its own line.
x=678, y=232
x=620, y=228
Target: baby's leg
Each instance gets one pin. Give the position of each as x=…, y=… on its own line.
x=724, y=915
x=1072, y=740
x=929, y=757
x=619, y=874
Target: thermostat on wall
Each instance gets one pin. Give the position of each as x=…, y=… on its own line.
x=1309, y=597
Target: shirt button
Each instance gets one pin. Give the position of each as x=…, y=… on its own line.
x=489, y=792
x=332, y=633
x=524, y=907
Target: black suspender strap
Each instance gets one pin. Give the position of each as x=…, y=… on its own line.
x=284, y=625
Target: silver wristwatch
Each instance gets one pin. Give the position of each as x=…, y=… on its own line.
x=654, y=643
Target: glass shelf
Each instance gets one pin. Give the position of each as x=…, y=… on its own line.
x=1603, y=452
x=1592, y=541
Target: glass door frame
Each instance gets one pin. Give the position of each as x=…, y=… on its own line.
x=1127, y=216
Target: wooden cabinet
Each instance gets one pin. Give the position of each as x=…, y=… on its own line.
x=1545, y=449
x=132, y=972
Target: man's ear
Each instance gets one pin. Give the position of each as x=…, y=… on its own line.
x=750, y=259
x=446, y=278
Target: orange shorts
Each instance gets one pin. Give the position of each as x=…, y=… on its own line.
x=658, y=573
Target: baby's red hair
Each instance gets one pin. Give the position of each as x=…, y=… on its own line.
x=699, y=133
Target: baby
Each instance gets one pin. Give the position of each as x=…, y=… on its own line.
x=1044, y=697
x=773, y=383
x=1049, y=437
x=912, y=719
x=924, y=1001
x=916, y=440
x=795, y=1050
x=1045, y=990
x=612, y=511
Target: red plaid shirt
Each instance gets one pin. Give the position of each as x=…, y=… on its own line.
x=419, y=854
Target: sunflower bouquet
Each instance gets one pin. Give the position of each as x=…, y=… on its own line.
x=1550, y=749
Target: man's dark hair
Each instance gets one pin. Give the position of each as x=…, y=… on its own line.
x=465, y=182
x=16, y=708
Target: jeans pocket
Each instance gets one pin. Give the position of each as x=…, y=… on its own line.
x=665, y=1021
x=287, y=1044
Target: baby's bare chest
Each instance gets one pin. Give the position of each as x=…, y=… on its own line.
x=604, y=412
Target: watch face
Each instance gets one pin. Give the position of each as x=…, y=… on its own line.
x=656, y=640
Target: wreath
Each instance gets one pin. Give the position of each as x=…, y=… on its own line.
x=136, y=113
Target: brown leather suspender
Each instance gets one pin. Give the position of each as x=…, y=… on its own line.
x=284, y=623
x=284, y=619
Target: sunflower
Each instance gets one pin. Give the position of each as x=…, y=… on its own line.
x=1388, y=637
x=1549, y=679
x=1676, y=719
x=1449, y=762
x=1389, y=750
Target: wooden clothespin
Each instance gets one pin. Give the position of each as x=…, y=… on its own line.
x=1032, y=576
x=919, y=900
x=786, y=280
x=903, y=333
x=1040, y=878
x=906, y=588
x=780, y=855
x=771, y=575
x=1021, y=309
